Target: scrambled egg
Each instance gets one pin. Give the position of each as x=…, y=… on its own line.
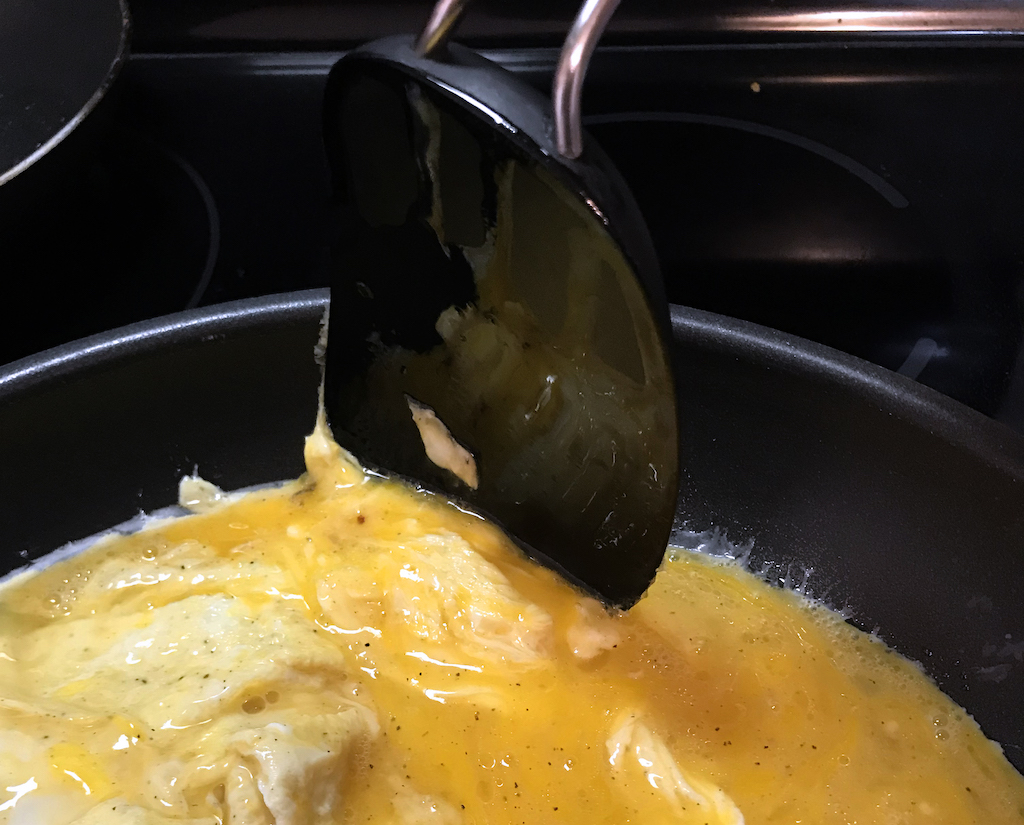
x=345, y=649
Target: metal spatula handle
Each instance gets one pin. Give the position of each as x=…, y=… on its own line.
x=567, y=89
x=443, y=17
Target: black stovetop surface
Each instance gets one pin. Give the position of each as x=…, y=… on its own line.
x=861, y=190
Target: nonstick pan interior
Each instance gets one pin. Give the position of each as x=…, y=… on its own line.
x=901, y=506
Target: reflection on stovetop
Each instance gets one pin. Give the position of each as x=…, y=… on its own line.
x=867, y=196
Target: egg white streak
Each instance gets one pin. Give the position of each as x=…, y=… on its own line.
x=633, y=745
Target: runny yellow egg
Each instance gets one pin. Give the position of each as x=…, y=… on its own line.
x=344, y=649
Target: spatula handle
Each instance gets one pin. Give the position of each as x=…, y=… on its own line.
x=443, y=17
x=567, y=89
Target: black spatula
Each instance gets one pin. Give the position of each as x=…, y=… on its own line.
x=497, y=314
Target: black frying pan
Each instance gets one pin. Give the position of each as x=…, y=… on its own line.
x=58, y=60
x=908, y=506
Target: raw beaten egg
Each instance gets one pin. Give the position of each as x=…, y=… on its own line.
x=344, y=649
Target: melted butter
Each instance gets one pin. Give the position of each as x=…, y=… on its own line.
x=345, y=649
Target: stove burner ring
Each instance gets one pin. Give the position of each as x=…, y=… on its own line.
x=854, y=167
x=135, y=235
x=212, y=217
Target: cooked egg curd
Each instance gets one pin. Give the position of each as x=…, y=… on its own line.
x=346, y=649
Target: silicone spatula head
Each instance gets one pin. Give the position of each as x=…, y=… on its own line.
x=498, y=322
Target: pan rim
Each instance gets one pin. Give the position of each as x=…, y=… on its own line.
x=945, y=418
x=995, y=443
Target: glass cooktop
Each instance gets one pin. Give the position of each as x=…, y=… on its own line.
x=864, y=189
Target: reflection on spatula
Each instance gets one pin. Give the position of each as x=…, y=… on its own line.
x=497, y=315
